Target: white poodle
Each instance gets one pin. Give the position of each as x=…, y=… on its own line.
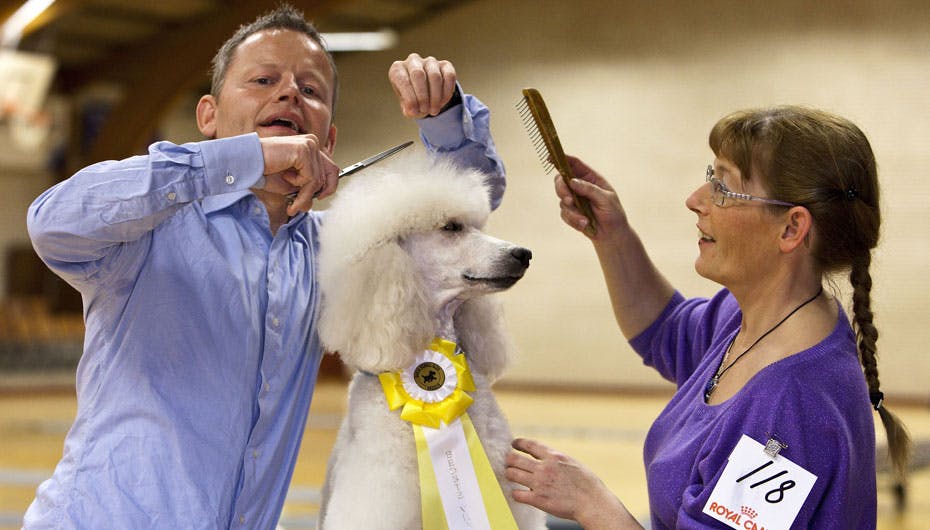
x=402, y=260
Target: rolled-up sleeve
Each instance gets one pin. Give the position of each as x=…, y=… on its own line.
x=80, y=220
x=464, y=133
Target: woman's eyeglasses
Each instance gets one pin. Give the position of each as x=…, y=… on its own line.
x=720, y=193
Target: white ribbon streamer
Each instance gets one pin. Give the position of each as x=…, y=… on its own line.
x=455, y=477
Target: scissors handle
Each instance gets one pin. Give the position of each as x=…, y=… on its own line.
x=358, y=166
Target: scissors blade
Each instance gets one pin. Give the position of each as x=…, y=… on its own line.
x=358, y=166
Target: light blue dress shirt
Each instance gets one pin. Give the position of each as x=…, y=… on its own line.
x=200, y=353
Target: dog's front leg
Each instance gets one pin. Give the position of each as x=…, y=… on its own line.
x=375, y=483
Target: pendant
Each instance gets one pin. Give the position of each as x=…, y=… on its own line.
x=710, y=387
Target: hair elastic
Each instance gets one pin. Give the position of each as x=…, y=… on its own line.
x=851, y=193
x=877, y=398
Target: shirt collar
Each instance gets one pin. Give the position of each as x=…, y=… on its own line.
x=215, y=203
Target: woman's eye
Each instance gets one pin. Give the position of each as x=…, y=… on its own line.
x=452, y=226
x=308, y=91
x=263, y=81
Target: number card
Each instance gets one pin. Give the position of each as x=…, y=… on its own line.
x=758, y=491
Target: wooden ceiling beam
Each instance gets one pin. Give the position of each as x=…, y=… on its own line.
x=178, y=63
x=7, y=8
x=46, y=18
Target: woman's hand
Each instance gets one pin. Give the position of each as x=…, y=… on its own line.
x=608, y=212
x=561, y=486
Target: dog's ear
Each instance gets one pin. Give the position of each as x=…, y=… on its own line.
x=482, y=333
x=375, y=311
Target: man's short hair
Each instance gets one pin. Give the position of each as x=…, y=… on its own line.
x=284, y=16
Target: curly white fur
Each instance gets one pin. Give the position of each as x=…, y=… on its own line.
x=390, y=280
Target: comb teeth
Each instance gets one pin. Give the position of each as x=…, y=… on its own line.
x=536, y=137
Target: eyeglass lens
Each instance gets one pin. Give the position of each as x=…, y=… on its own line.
x=718, y=192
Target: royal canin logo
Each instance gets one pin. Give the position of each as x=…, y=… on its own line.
x=742, y=518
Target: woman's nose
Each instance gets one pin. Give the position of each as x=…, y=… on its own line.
x=699, y=199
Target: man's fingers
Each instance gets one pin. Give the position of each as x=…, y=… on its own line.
x=400, y=82
x=441, y=82
x=330, y=173
x=434, y=86
x=423, y=85
x=298, y=163
x=403, y=86
x=449, y=78
x=419, y=83
x=318, y=179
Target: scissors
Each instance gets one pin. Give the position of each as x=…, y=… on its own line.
x=358, y=166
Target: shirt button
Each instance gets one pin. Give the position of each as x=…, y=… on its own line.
x=230, y=179
x=172, y=195
x=267, y=387
x=275, y=321
x=254, y=454
x=241, y=519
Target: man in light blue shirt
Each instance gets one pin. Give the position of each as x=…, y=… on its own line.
x=199, y=289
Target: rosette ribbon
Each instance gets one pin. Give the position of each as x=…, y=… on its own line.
x=458, y=488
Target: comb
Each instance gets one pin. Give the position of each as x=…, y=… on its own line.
x=545, y=140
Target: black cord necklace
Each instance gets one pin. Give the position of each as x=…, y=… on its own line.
x=712, y=382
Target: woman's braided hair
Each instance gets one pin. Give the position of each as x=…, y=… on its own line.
x=824, y=163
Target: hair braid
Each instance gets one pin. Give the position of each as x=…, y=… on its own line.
x=866, y=332
x=899, y=442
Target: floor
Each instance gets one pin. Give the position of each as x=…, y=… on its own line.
x=604, y=431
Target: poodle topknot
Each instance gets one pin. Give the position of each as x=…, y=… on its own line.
x=411, y=192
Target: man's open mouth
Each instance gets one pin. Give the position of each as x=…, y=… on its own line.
x=283, y=122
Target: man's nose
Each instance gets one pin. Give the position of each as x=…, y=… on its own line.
x=288, y=89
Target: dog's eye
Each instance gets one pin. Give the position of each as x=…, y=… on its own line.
x=452, y=226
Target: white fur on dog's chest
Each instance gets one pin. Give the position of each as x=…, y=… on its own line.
x=374, y=481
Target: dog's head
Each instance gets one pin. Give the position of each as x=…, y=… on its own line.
x=457, y=261
x=402, y=242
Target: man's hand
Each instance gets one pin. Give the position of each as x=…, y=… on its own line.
x=423, y=85
x=298, y=163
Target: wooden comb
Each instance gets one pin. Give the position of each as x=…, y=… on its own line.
x=545, y=140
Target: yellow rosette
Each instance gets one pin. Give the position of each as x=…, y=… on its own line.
x=432, y=389
x=458, y=488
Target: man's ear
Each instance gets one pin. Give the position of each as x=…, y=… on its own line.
x=797, y=229
x=331, y=140
x=206, y=116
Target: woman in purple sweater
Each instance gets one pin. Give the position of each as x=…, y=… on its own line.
x=771, y=425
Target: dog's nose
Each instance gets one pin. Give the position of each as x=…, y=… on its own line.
x=523, y=255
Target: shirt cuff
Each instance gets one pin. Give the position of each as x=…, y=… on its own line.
x=232, y=164
x=446, y=130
